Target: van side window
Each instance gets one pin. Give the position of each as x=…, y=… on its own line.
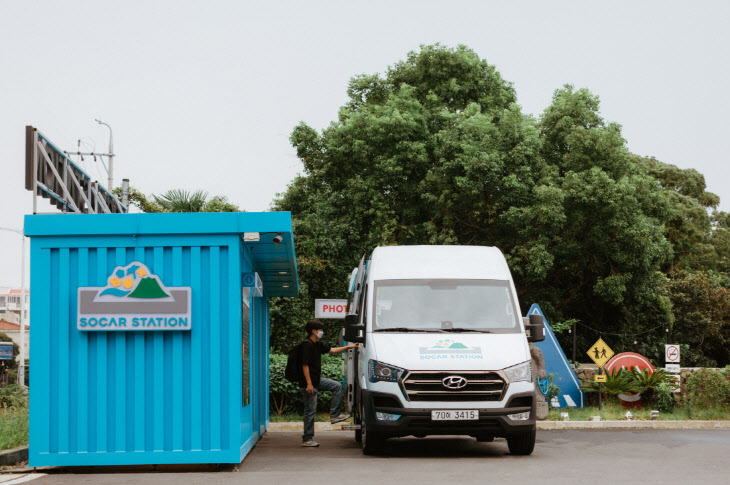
x=364, y=311
x=351, y=302
x=364, y=306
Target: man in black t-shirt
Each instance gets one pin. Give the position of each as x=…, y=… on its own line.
x=312, y=380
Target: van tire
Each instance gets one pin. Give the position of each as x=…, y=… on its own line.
x=522, y=443
x=358, y=432
x=372, y=442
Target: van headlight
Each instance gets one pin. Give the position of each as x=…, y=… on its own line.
x=384, y=372
x=519, y=372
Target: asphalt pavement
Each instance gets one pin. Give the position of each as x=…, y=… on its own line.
x=561, y=457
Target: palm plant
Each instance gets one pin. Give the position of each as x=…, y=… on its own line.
x=649, y=383
x=653, y=380
x=618, y=381
x=180, y=200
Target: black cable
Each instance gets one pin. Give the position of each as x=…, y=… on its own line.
x=621, y=334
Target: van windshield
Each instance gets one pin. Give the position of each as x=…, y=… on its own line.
x=445, y=306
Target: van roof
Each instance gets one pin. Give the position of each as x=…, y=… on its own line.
x=435, y=262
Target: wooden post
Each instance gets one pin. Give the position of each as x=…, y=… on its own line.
x=600, y=393
x=574, y=340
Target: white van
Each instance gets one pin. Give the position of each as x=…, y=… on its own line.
x=443, y=347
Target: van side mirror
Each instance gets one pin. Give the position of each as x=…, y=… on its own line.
x=354, y=331
x=535, y=329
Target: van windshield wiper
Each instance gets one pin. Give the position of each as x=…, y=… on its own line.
x=464, y=330
x=404, y=329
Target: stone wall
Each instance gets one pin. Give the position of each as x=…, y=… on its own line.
x=538, y=368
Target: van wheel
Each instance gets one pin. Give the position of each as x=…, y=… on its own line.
x=358, y=432
x=522, y=443
x=372, y=442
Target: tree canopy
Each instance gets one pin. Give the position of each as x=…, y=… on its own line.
x=437, y=151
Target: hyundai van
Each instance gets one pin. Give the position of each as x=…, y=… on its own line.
x=443, y=347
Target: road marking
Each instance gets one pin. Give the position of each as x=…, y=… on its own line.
x=26, y=478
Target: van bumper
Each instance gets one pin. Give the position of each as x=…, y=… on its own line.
x=417, y=421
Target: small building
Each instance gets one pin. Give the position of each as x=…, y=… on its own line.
x=151, y=334
x=11, y=302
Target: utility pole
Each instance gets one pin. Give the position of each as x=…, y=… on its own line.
x=110, y=155
x=125, y=192
x=23, y=316
x=21, y=367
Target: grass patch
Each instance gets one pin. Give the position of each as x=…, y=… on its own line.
x=616, y=412
x=13, y=427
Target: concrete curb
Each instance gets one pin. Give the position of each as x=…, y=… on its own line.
x=548, y=425
x=299, y=426
x=13, y=456
x=633, y=425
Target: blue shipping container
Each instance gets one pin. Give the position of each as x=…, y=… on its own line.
x=150, y=335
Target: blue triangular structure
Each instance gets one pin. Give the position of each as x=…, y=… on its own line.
x=557, y=363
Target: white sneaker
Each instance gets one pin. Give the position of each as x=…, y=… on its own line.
x=339, y=418
x=310, y=444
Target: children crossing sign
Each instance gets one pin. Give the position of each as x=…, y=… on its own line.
x=600, y=353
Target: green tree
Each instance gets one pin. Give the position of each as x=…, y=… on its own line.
x=436, y=151
x=702, y=318
x=720, y=239
x=373, y=177
x=139, y=200
x=689, y=228
x=608, y=256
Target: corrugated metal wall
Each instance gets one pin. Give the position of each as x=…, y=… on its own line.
x=171, y=394
x=255, y=416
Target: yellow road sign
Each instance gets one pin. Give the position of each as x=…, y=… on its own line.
x=600, y=353
x=599, y=378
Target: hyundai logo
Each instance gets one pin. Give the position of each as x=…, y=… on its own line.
x=454, y=382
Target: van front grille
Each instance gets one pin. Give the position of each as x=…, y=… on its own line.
x=429, y=386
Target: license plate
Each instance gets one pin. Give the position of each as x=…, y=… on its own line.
x=455, y=415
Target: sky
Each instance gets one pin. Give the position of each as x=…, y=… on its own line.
x=204, y=95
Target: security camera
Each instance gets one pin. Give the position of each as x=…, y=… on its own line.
x=278, y=238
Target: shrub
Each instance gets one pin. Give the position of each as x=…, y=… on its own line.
x=284, y=396
x=664, y=398
x=13, y=396
x=281, y=391
x=552, y=390
x=708, y=388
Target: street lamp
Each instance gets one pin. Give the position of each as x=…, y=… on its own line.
x=111, y=153
x=21, y=367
